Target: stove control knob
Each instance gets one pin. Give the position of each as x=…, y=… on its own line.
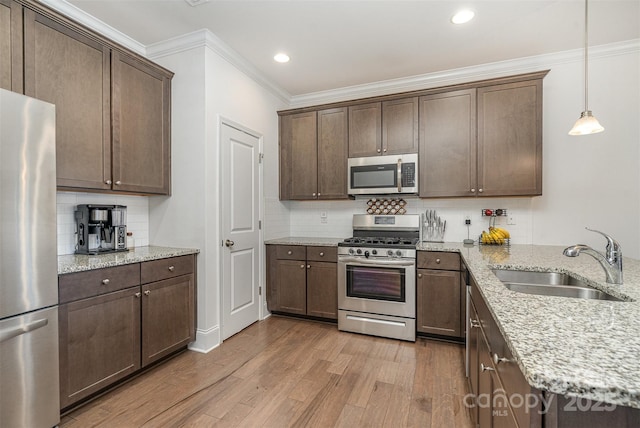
x=359, y=251
x=374, y=252
x=366, y=254
x=399, y=253
x=351, y=251
x=390, y=253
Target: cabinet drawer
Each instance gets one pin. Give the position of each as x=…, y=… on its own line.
x=438, y=260
x=322, y=254
x=157, y=270
x=76, y=286
x=291, y=252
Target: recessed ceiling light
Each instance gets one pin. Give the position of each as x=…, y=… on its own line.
x=463, y=16
x=281, y=57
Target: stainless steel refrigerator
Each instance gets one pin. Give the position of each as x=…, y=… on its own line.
x=29, y=391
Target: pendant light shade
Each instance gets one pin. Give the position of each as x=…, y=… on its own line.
x=587, y=124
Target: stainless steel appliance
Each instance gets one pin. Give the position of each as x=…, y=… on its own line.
x=101, y=229
x=377, y=276
x=378, y=175
x=29, y=383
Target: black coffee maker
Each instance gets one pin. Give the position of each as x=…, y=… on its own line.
x=101, y=229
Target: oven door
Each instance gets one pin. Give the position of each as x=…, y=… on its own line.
x=385, y=287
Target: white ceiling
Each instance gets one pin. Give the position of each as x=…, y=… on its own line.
x=336, y=44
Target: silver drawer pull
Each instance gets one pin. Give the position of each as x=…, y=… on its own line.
x=118, y=182
x=108, y=182
x=321, y=254
x=289, y=252
x=147, y=292
x=419, y=275
x=138, y=294
x=301, y=266
x=308, y=266
x=171, y=268
x=437, y=261
x=484, y=368
x=106, y=281
x=497, y=359
x=474, y=323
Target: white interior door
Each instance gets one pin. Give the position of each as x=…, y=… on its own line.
x=240, y=234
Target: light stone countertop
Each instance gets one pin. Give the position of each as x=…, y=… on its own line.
x=569, y=346
x=72, y=263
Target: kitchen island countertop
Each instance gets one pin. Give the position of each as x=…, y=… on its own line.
x=71, y=263
x=569, y=346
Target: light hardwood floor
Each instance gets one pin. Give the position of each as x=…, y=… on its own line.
x=286, y=372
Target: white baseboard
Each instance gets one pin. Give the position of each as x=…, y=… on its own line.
x=206, y=340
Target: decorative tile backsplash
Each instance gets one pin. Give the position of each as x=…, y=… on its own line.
x=137, y=216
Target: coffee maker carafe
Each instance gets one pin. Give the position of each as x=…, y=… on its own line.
x=101, y=229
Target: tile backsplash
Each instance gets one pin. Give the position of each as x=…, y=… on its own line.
x=137, y=216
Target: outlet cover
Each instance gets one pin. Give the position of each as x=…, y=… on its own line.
x=511, y=220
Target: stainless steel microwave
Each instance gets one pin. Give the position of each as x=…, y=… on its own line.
x=377, y=175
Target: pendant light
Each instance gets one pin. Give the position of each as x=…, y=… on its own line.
x=587, y=124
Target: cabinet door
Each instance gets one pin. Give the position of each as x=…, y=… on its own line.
x=439, y=297
x=67, y=69
x=322, y=290
x=292, y=286
x=299, y=156
x=168, y=317
x=400, y=126
x=11, y=46
x=448, y=144
x=365, y=130
x=141, y=115
x=332, y=153
x=99, y=343
x=473, y=334
x=510, y=139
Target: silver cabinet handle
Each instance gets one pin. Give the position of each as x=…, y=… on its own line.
x=108, y=182
x=308, y=266
x=484, y=368
x=319, y=194
x=313, y=194
x=229, y=243
x=497, y=359
x=438, y=261
x=378, y=150
x=474, y=323
x=147, y=292
x=419, y=275
x=14, y=332
x=321, y=254
x=385, y=150
x=479, y=190
x=118, y=182
x=289, y=252
x=473, y=190
x=138, y=294
x=301, y=266
x=106, y=281
x=171, y=268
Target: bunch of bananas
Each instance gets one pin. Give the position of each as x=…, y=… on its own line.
x=495, y=236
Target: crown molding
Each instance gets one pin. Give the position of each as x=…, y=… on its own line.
x=462, y=75
x=205, y=38
x=71, y=11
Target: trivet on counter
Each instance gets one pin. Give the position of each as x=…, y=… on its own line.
x=394, y=206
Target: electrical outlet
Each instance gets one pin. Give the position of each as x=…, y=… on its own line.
x=323, y=217
x=467, y=220
x=511, y=220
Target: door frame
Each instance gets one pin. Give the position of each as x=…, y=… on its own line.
x=222, y=120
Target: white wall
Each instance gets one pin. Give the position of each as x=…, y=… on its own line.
x=206, y=88
x=587, y=181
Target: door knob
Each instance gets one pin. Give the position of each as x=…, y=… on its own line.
x=229, y=243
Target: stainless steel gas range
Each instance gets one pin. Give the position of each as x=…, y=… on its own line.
x=377, y=276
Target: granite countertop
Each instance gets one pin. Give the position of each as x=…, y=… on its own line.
x=72, y=263
x=317, y=242
x=569, y=346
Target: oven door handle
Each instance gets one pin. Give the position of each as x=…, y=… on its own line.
x=361, y=261
x=399, y=175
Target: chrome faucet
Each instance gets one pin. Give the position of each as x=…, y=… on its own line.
x=611, y=261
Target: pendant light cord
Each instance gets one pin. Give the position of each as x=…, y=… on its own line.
x=586, y=55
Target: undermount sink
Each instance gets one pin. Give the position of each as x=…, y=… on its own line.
x=549, y=284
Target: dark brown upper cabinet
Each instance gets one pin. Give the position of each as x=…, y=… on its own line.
x=383, y=128
x=313, y=155
x=11, y=33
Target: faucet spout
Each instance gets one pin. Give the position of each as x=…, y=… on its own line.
x=611, y=261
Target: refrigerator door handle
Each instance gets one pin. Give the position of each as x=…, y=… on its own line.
x=14, y=332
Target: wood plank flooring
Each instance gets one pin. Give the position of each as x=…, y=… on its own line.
x=284, y=372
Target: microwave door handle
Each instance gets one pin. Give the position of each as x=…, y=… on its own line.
x=399, y=175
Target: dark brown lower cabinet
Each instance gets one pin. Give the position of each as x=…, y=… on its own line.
x=99, y=343
x=167, y=317
x=302, y=280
